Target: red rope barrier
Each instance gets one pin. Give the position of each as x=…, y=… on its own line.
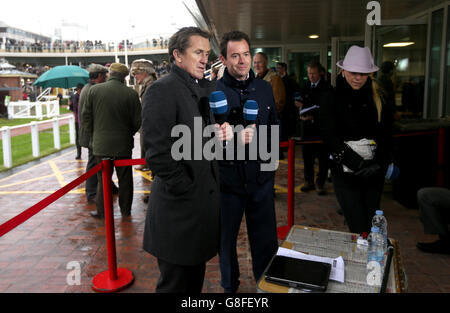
x=129, y=162
x=22, y=217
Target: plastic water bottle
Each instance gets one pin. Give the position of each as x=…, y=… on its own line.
x=380, y=221
x=375, y=258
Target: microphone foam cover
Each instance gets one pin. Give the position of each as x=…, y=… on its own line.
x=218, y=102
x=250, y=110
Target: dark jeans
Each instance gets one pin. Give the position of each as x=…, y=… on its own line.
x=359, y=198
x=311, y=152
x=180, y=278
x=125, y=175
x=259, y=210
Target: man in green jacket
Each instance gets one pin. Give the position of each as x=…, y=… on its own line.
x=111, y=116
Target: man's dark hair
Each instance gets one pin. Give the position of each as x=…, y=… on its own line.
x=315, y=64
x=180, y=40
x=234, y=35
x=94, y=75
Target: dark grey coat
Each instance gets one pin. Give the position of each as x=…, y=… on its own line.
x=182, y=223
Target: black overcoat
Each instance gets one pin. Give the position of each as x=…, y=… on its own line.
x=182, y=223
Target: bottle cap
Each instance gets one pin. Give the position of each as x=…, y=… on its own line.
x=375, y=229
x=379, y=212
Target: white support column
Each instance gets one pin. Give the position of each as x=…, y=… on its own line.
x=48, y=113
x=38, y=107
x=56, y=137
x=56, y=105
x=35, y=139
x=6, y=140
x=72, y=129
x=28, y=108
x=10, y=111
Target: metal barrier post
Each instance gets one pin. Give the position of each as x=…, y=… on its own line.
x=114, y=279
x=6, y=141
x=35, y=139
x=56, y=137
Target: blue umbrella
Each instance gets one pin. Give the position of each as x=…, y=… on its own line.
x=65, y=76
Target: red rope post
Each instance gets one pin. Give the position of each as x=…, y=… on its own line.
x=109, y=219
x=113, y=279
x=284, y=230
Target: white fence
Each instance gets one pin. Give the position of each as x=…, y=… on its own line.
x=34, y=126
x=27, y=109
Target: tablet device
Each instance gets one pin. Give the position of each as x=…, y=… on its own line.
x=297, y=273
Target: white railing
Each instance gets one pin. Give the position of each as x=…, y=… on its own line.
x=27, y=109
x=34, y=126
x=45, y=94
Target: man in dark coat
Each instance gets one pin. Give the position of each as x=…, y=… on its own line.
x=97, y=75
x=315, y=88
x=74, y=107
x=289, y=114
x=112, y=115
x=245, y=185
x=182, y=223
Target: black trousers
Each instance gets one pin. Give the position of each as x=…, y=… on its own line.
x=359, y=198
x=180, y=278
x=311, y=152
x=77, y=138
x=91, y=182
x=125, y=175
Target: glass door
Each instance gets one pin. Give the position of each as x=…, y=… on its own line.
x=400, y=50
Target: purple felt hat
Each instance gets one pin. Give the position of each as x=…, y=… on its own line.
x=358, y=60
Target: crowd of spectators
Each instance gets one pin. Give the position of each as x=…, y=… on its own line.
x=12, y=45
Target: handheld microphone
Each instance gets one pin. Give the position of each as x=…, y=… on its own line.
x=250, y=112
x=218, y=105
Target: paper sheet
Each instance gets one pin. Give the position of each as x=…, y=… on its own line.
x=309, y=109
x=337, y=265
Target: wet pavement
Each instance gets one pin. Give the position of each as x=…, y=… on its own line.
x=41, y=254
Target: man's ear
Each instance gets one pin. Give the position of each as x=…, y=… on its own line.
x=223, y=59
x=177, y=55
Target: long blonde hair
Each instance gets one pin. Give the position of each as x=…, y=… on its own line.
x=377, y=96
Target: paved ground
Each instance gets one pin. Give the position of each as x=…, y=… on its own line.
x=35, y=256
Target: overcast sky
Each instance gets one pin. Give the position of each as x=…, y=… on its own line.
x=97, y=19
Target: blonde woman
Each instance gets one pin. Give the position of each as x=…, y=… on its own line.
x=356, y=127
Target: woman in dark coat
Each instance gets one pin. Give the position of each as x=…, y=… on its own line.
x=357, y=119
